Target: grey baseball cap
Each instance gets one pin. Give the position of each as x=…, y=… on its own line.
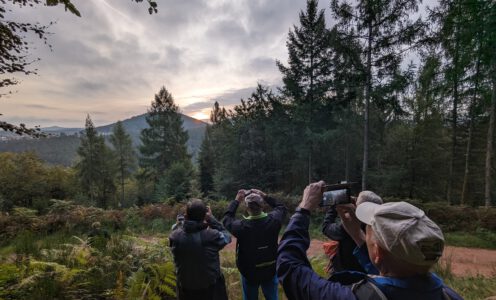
x=404, y=230
x=256, y=198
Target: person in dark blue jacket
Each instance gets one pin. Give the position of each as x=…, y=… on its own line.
x=403, y=244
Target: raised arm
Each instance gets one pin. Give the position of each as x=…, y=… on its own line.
x=229, y=219
x=331, y=227
x=279, y=210
x=221, y=237
x=294, y=271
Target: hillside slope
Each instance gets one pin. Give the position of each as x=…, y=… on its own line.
x=60, y=148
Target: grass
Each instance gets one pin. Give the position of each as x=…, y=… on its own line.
x=470, y=288
x=479, y=239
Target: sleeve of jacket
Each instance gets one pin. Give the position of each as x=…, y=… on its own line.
x=294, y=271
x=279, y=211
x=172, y=241
x=330, y=227
x=220, y=236
x=229, y=219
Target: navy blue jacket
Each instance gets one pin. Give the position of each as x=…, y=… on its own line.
x=300, y=282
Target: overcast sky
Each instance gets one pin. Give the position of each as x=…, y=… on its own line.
x=111, y=61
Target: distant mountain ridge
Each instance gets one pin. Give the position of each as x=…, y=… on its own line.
x=61, y=146
x=135, y=123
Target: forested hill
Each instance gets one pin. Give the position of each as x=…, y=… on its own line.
x=61, y=148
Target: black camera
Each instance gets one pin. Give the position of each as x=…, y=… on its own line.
x=337, y=194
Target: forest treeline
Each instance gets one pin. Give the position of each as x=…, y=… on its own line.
x=404, y=106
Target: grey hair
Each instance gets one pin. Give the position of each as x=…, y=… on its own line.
x=368, y=196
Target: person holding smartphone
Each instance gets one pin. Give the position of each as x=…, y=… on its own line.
x=332, y=228
x=257, y=240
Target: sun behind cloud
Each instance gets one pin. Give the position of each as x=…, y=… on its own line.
x=200, y=116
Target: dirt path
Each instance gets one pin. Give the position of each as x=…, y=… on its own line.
x=464, y=261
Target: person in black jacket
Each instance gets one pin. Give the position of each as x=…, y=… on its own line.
x=332, y=227
x=195, y=247
x=257, y=240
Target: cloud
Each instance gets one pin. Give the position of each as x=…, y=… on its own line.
x=113, y=59
x=39, y=106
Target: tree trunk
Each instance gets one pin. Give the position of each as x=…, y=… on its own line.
x=310, y=166
x=467, y=162
x=347, y=159
x=470, y=133
x=449, y=190
x=368, y=89
x=490, y=142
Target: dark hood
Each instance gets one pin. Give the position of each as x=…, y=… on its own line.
x=193, y=226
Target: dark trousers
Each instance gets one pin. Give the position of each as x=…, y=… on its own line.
x=216, y=291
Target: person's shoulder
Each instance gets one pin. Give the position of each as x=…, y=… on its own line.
x=174, y=235
x=210, y=233
x=348, y=277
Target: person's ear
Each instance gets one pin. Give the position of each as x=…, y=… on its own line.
x=379, y=254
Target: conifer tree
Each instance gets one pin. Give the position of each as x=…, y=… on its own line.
x=206, y=164
x=385, y=32
x=307, y=81
x=307, y=76
x=125, y=157
x=95, y=168
x=164, y=141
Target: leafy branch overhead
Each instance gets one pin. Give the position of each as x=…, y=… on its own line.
x=15, y=47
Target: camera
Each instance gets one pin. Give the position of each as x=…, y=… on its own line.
x=337, y=194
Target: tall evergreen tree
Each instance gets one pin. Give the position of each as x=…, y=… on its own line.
x=307, y=77
x=452, y=36
x=206, y=164
x=125, y=157
x=307, y=80
x=164, y=141
x=490, y=59
x=95, y=168
x=385, y=31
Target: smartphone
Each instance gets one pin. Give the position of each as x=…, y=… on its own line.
x=337, y=194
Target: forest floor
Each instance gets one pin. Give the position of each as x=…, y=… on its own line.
x=465, y=262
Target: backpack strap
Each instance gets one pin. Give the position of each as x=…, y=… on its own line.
x=366, y=290
x=446, y=296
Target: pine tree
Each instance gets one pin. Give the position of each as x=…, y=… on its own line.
x=125, y=157
x=95, y=168
x=164, y=141
x=307, y=81
x=490, y=59
x=452, y=36
x=206, y=164
x=307, y=77
x=385, y=32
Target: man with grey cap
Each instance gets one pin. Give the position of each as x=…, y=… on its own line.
x=402, y=244
x=257, y=239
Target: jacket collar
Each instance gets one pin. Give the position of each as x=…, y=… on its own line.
x=260, y=216
x=427, y=282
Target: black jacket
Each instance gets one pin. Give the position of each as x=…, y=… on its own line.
x=333, y=229
x=257, y=240
x=195, y=248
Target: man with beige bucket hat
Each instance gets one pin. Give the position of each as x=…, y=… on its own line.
x=400, y=246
